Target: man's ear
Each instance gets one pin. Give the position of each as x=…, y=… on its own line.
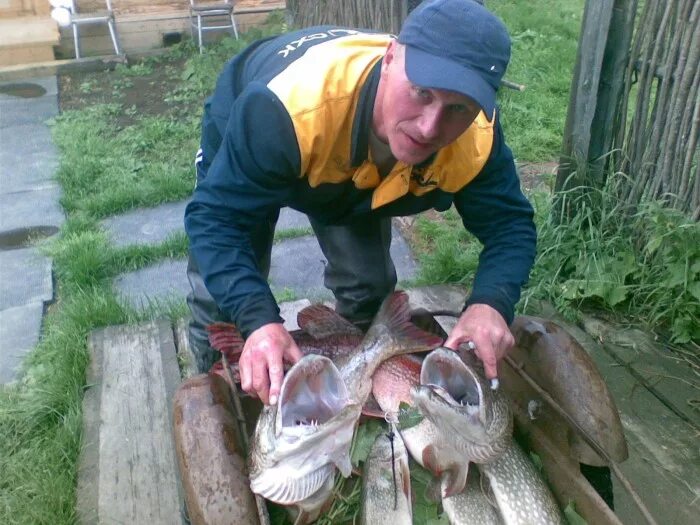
x=390, y=54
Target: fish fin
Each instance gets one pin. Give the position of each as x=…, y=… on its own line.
x=286, y=490
x=430, y=461
x=395, y=313
x=225, y=338
x=344, y=466
x=319, y=321
x=454, y=480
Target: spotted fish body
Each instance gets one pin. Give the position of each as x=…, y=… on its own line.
x=472, y=506
x=386, y=489
x=521, y=494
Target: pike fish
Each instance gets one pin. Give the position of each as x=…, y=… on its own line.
x=460, y=402
x=300, y=441
x=521, y=495
x=455, y=397
x=386, y=483
x=472, y=506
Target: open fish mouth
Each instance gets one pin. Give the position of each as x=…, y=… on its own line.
x=451, y=380
x=312, y=394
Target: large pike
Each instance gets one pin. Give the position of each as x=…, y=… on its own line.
x=386, y=483
x=457, y=398
x=299, y=442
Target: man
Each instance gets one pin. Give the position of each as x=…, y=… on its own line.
x=352, y=128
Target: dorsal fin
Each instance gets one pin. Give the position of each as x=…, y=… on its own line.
x=395, y=313
x=320, y=321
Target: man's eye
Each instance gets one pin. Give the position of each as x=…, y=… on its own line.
x=421, y=92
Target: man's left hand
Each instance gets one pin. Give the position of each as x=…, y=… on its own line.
x=486, y=328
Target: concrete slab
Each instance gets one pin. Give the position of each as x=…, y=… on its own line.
x=31, y=208
x=162, y=282
x=20, y=327
x=290, y=219
x=298, y=265
x=154, y=225
x=28, y=158
x=25, y=278
x=47, y=84
x=146, y=225
x=16, y=111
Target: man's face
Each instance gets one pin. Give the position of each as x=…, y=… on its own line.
x=417, y=121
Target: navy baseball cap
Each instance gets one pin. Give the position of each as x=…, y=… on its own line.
x=457, y=45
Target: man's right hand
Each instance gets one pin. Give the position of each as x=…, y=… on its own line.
x=262, y=361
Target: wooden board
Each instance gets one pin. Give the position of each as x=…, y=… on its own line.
x=128, y=471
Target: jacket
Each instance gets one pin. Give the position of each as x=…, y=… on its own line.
x=288, y=125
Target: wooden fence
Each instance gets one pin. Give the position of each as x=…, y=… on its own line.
x=635, y=102
x=382, y=15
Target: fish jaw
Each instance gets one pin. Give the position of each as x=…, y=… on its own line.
x=299, y=442
x=380, y=489
x=434, y=450
x=458, y=401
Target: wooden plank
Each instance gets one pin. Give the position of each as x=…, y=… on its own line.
x=28, y=30
x=128, y=471
x=664, y=373
x=57, y=67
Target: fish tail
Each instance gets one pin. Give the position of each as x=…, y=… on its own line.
x=395, y=314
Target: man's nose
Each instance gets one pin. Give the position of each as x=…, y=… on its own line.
x=430, y=122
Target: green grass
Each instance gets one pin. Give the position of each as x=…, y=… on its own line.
x=545, y=38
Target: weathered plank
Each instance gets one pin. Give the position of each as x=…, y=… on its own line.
x=664, y=373
x=664, y=454
x=128, y=471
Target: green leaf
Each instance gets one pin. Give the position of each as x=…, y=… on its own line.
x=364, y=438
x=408, y=416
x=615, y=294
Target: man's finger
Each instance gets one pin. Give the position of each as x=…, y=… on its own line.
x=261, y=380
x=276, y=374
x=246, y=374
x=293, y=354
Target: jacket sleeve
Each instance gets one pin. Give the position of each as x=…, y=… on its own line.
x=495, y=210
x=248, y=180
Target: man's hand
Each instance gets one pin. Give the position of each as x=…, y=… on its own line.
x=261, y=363
x=487, y=329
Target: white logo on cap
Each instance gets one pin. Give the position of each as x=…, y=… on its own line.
x=493, y=68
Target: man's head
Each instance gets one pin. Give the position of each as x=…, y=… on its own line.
x=457, y=45
x=445, y=68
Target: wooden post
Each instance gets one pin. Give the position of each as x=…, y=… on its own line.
x=584, y=95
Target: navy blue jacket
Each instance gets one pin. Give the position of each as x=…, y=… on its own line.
x=288, y=125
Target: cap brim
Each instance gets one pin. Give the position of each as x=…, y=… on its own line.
x=431, y=71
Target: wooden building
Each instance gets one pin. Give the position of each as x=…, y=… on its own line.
x=28, y=34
